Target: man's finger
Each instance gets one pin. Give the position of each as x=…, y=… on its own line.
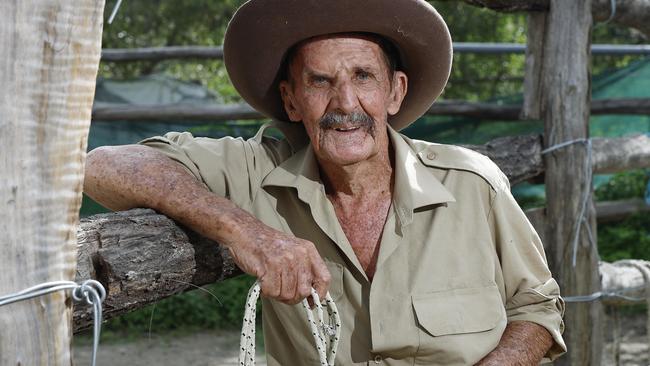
x=304, y=283
x=322, y=278
x=289, y=285
x=271, y=284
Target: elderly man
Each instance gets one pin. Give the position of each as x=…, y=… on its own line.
x=421, y=245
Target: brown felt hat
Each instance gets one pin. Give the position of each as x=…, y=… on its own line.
x=262, y=31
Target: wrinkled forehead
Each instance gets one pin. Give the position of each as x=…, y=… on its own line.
x=360, y=43
x=368, y=45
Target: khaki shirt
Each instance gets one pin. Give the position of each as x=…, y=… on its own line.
x=458, y=259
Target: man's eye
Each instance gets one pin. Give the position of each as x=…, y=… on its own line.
x=319, y=80
x=363, y=75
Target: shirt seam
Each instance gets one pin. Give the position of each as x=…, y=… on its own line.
x=489, y=215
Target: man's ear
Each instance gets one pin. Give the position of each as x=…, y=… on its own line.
x=398, y=92
x=286, y=92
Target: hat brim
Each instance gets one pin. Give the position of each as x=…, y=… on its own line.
x=262, y=31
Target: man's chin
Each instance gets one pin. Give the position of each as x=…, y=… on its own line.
x=347, y=157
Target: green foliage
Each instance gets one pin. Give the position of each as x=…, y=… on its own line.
x=203, y=22
x=630, y=184
x=171, y=23
x=629, y=238
x=481, y=77
x=218, y=306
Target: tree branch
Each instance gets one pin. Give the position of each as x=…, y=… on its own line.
x=630, y=13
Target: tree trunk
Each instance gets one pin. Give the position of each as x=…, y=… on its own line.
x=565, y=108
x=50, y=56
x=629, y=13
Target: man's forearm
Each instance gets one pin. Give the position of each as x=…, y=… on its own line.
x=522, y=344
x=131, y=176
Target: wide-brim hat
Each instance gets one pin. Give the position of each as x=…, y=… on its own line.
x=262, y=31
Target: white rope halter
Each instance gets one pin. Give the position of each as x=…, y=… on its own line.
x=322, y=333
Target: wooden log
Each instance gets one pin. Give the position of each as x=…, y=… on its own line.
x=532, y=108
x=50, y=57
x=607, y=211
x=618, y=210
x=565, y=108
x=181, y=112
x=142, y=257
x=629, y=13
x=619, y=154
x=216, y=52
x=520, y=156
x=626, y=278
x=162, y=53
x=482, y=111
x=621, y=106
x=229, y=112
x=511, y=5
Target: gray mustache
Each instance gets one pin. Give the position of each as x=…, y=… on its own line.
x=337, y=119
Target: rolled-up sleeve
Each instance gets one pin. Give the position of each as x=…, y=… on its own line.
x=531, y=292
x=229, y=167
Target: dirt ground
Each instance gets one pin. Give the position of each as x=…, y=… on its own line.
x=633, y=340
x=196, y=349
x=220, y=348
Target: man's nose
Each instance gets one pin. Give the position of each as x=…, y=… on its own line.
x=345, y=98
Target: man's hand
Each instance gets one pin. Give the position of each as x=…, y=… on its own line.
x=522, y=344
x=124, y=177
x=287, y=267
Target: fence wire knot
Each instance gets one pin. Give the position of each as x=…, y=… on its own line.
x=89, y=292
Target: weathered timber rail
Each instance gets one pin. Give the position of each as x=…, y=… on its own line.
x=520, y=156
x=629, y=13
x=216, y=52
x=479, y=111
x=142, y=257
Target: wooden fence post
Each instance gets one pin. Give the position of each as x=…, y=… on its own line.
x=50, y=53
x=565, y=97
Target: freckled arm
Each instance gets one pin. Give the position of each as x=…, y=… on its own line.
x=522, y=344
x=125, y=177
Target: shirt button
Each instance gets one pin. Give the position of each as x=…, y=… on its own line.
x=431, y=155
x=378, y=359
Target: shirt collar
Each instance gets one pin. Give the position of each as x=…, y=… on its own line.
x=415, y=184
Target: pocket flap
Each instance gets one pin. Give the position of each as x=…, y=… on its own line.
x=466, y=310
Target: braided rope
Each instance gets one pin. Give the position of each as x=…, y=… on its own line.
x=322, y=333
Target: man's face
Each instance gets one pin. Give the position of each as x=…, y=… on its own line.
x=342, y=91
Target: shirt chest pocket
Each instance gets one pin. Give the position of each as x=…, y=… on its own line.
x=458, y=326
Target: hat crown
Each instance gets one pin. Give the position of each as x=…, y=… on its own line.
x=262, y=31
